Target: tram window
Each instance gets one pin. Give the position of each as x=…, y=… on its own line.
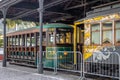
x=28, y=41
x=60, y=38
x=51, y=37
x=107, y=32
x=14, y=41
x=63, y=37
x=68, y=37
x=95, y=28
x=17, y=41
x=33, y=41
x=117, y=31
x=44, y=38
x=38, y=40
x=10, y=41
x=57, y=38
x=21, y=41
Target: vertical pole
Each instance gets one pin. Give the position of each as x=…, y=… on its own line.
x=40, y=64
x=4, y=12
x=100, y=33
x=47, y=37
x=75, y=44
x=113, y=32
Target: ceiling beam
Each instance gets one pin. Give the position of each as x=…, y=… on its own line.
x=68, y=4
x=8, y=3
x=106, y=4
x=57, y=13
x=61, y=18
x=81, y=5
x=54, y=3
x=27, y=5
x=79, y=1
x=48, y=13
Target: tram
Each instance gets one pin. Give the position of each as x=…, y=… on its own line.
x=98, y=32
x=23, y=45
x=101, y=30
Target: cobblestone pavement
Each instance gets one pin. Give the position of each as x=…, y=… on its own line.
x=13, y=72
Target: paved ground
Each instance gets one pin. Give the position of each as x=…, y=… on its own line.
x=13, y=72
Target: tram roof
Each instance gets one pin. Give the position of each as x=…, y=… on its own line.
x=57, y=25
x=36, y=28
x=63, y=11
x=25, y=31
x=103, y=11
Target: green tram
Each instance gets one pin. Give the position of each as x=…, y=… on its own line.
x=23, y=45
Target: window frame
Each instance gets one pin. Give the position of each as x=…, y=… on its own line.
x=113, y=42
x=94, y=31
x=116, y=43
x=102, y=30
x=114, y=29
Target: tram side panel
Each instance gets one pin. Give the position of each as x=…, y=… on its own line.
x=23, y=49
x=100, y=58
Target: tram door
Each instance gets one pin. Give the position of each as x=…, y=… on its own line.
x=80, y=42
x=80, y=38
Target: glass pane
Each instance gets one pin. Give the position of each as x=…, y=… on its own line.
x=95, y=37
x=118, y=36
x=68, y=37
x=107, y=36
x=44, y=38
x=95, y=27
x=10, y=41
x=107, y=25
x=28, y=41
x=117, y=24
x=60, y=38
x=63, y=35
x=50, y=38
x=17, y=41
x=14, y=41
x=20, y=41
x=33, y=41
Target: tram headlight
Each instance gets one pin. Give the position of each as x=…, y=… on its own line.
x=65, y=53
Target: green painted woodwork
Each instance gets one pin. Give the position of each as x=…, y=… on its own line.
x=52, y=25
x=49, y=58
x=54, y=52
x=56, y=25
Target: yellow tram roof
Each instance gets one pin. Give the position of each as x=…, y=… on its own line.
x=101, y=14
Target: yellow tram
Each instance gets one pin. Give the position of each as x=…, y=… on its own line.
x=101, y=30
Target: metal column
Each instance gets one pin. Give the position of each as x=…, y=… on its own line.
x=40, y=64
x=4, y=12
